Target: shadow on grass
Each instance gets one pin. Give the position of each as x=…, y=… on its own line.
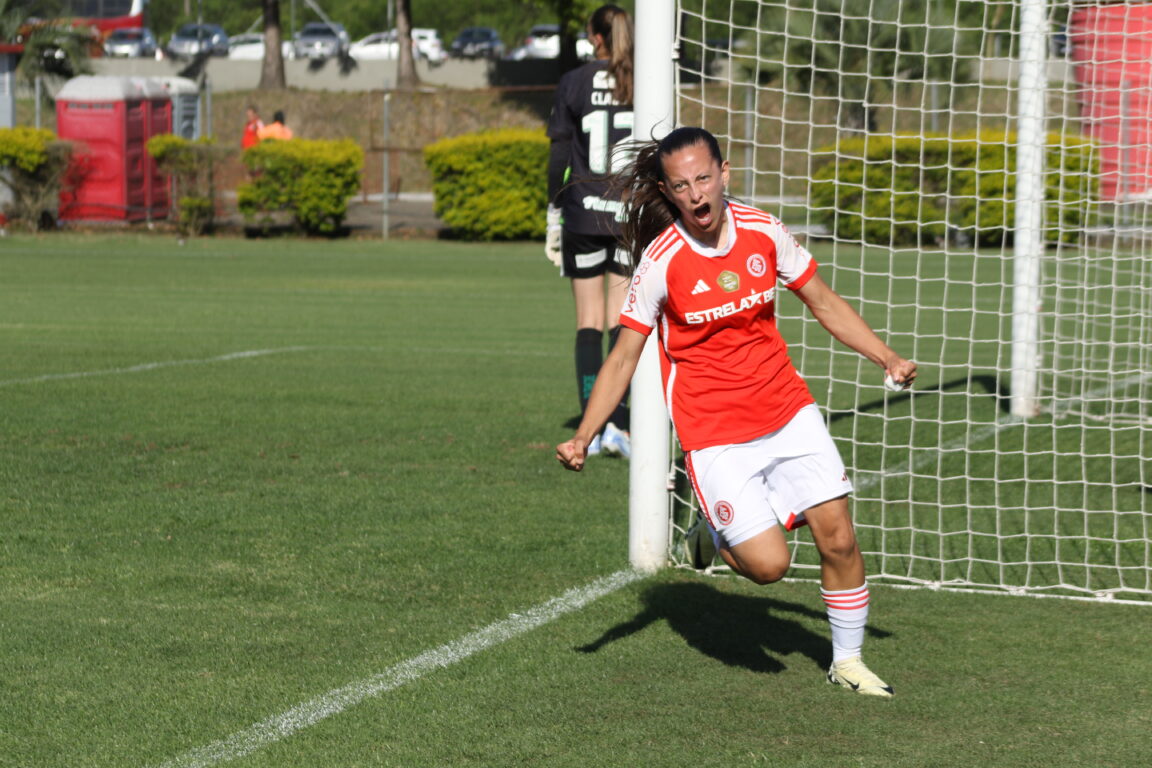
x=755, y=633
x=988, y=383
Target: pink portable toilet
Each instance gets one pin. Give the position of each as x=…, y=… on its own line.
x=111, y=120
x=1112, y=53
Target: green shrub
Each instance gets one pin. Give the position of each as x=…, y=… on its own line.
x=491, y=185
x=197, y=214
x=37, y=169
x=909, y=190
x=311, y=180
x=193, y=168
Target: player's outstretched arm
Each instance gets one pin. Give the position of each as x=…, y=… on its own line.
x=611, y=383
x=846, y=326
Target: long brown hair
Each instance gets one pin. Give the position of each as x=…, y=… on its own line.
x=614, y=24
x=647, y=212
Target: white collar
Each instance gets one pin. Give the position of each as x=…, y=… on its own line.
x=704, y=250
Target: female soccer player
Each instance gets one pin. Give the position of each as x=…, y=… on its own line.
x=592, y=112
x=757, y=451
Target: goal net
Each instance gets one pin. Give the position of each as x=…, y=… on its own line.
x=976, y=178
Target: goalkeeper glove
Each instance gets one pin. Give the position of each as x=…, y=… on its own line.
x=552, y=238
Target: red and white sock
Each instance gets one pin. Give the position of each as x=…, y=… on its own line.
x=847, y=613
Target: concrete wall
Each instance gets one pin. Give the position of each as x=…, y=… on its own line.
x=229, y=75
x=1008, y=71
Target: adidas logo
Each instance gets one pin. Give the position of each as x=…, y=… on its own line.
x=701, y=287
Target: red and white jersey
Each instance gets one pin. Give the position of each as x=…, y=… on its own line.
x=727, y=376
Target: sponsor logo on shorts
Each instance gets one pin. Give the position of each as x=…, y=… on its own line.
x=729, y=281
x=724, y=512
x=589, y=260
x=757, y=265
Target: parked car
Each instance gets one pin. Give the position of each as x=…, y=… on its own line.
x=250, y=46
x=477, y=43
x=426, y=45
x=543, y=42
x=378, y=45
x=321, y=40
x=427, y=42
x=134, y=42
x=192, y=39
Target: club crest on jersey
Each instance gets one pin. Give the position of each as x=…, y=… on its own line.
x=757, y=265
x=724, y=512
x=729, y=281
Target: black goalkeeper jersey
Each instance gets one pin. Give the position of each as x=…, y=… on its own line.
x=585, y=125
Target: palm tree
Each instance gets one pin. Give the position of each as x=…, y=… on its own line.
x=51, y=49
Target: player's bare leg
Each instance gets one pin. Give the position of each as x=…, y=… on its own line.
x=588, y=293
x=841, y=564
x=764, y=558
x=617, y=291
x=846, y=595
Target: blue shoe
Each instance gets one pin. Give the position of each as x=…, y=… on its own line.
x=594, y=446
x=616, y=442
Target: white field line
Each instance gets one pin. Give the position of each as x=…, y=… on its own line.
x=252, y=353
x=151, y=366
x=285, y=724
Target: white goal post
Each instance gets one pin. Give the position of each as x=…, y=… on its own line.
x=648, y=498
x=976, y=178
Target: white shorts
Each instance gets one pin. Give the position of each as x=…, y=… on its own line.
x=747, y=488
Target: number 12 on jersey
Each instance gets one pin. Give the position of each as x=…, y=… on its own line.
x=599, y=124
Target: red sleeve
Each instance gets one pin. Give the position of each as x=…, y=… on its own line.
x=635, y=325
x=799, y=282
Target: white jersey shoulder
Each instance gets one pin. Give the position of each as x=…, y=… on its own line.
x=648, y=292
x=792, y=259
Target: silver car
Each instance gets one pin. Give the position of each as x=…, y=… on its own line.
x=134, y=43
x=192, y=39
x=321, y=40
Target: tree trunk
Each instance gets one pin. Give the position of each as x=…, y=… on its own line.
x=406, y=76
x=272, y=70
x=572, y=21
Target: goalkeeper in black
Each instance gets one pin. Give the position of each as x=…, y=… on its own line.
x=591, y=114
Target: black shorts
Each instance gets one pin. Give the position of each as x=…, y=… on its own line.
x=592, y=255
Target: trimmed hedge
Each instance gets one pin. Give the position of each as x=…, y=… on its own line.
x=491, y=185
x=38, y=167
x=193, y=165
x=310, y=179
x=908, y=190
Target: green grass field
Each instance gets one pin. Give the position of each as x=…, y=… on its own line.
x=293, y=503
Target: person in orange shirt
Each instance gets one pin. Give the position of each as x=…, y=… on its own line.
x=276, y=129
x=252, y=128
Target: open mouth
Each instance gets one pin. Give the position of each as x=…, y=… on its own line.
x=703, y=215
